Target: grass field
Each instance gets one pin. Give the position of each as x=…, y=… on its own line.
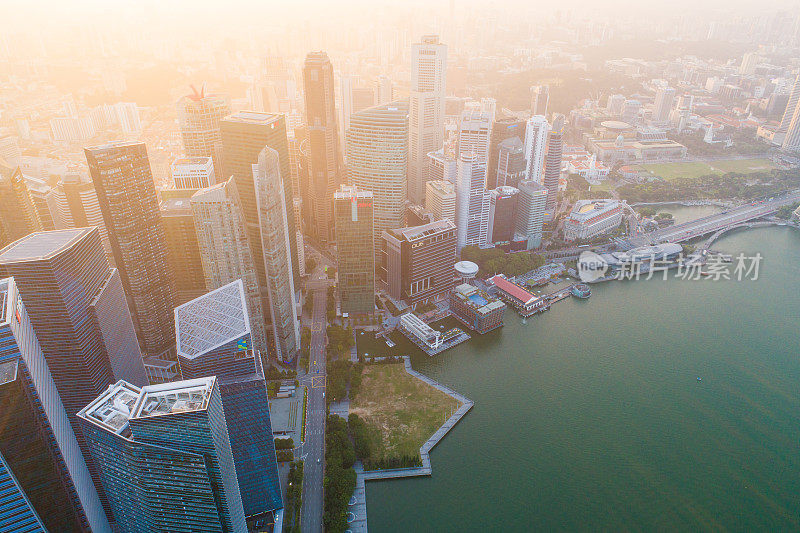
x=695, y=169
x=402, y=411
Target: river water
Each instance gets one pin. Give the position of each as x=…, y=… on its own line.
x=591, y=416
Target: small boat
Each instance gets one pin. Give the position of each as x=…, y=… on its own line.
x=698, y=379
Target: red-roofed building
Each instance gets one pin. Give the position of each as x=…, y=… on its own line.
x=520, y=299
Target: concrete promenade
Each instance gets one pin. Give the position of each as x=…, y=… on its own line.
x=358, y=504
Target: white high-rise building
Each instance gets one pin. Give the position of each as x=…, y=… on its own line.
x=225, y=251
x=791, y=106
x=193, y=172
x=535, y=146
x=443, y=166
x=128, y=116
x=277, y=253
x=663, y=104
x=531, y=212
x=426, y=112
x=472, y=202
x=474, y=128
x=440, y=199
x=345, y=107
x=384, y=90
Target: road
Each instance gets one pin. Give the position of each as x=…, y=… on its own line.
x=314, y=446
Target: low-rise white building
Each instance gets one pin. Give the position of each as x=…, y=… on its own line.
x=589, y=218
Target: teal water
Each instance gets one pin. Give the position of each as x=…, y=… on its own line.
x=590, y=416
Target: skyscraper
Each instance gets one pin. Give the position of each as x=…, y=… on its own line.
x=511, y=164
x=276, y=253
x=472, y=201
x=418, y=262
x=38, y=450
x=440, y=199
x=353, y=210
x=426, y=110
x=164, y=456
x=199, y=115
x=791, y=106
x=502, y=214
x=502, y=130
x=473, y=134
x=244, y=136
x=192, y=172
x=530, y=212
x=540, y=98
x=663, y=104
x=224, y=249
x=127, y=196
x=214, y=338
x=324, y=159
x=552, y=163
x=18, y=217
x=183, y=249
x=377, y=161
x=791, y=120
x=78, y=205
x=535, y=144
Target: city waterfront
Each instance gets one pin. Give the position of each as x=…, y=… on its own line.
x=592, y=416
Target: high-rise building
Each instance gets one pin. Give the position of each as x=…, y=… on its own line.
x=614, y=104
x=440, y=199
x=540, y=98
x=78, y=206
x=192, y=172
x=199, y=117
x=164, y=457
x=18, y=216
x=244, y=136
x=535, y=145
x=442, y=166
x=530, y=212
x=127, y=196
x=418, y=262
x=39, y=454
x=353, y=211
x=426, y=110
x=224, y=250
x=214, y=338
x=791, y=106
x=472, y=201
x=749, y=63
x=663, y=104
x=324, y=165
x=552, y=163
x=473, y=134
x=377, y=152
x=384, y=90
x=630, y=111
x=183, y=249
x=791, y=120
x=502, y=131
x=511, y=164
x=277, y=256
x=502, y=214
x=45, y=204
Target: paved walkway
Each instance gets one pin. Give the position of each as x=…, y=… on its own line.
x=359, y=506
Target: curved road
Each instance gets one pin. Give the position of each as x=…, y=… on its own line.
x=314, y=446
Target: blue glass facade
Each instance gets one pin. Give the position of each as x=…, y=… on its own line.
x=17, y=514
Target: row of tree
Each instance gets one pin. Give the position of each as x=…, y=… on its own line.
x=340, y=479
x=294, y=493
x=342, y=375
x=494, y=261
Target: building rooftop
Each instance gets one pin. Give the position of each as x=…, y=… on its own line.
x=41, y=245
x=211, y=320
x=192, y=161
x=177, y=397
x=426, y=230
x=512, y=289
x=176, y=206
x=252, y=117
x=113, y=409
x=8, y=371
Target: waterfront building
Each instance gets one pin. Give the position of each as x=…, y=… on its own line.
x=127, y=196
x=590, y=218
x=18, y=217
x=414, y=327
x=224, y=250
x=276, y=254
x=510, y=166
x=536, y=131
x=183, y=249
x=418, y=262
x=525, y=302
x=199, y=117
x=472, y=201
x=244, y=136
x=45, y=484
x=540, y=98
x=377, y=161
x=353, y=212
x=502, y=214
x=324, y=163
x=426, y=111
x=530, y=212
x=442, y=166
x=476, y=308
x=214, y=338
x=552, y=164
x=440, y=199
x=663, y=104
x=164, y=457
x=502, y=135
x=193, y=172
